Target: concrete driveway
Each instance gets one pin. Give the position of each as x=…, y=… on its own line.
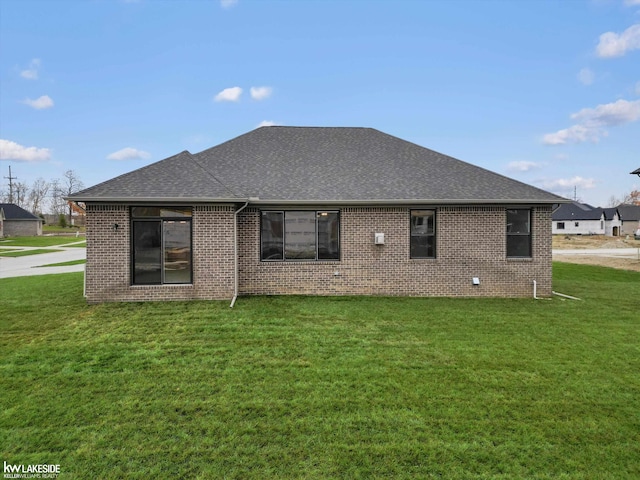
x=32, y=264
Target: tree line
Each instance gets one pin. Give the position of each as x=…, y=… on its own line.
x=44, y=196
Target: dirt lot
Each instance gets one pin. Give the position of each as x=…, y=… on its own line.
x=562, y=242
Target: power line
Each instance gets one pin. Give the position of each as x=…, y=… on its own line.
x=10, y=178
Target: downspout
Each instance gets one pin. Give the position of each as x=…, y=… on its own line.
x=235, y=253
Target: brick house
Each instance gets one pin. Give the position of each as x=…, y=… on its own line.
x=315, y=210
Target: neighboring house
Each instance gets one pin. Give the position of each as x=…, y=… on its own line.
x=612, y=222
x=320, y=211
x=578, y=219
x=630, y=216
x=16, y=221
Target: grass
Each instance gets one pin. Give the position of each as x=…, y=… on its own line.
x=59, y=229
x=295, y=387
x=38, y=241
x=24, y=253
x=65, y=264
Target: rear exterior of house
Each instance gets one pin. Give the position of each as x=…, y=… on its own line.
x=315, y=211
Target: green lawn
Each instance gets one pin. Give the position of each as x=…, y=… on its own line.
x=295, y=387
x=39, y=241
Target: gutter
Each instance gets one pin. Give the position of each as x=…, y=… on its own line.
x=235, y=250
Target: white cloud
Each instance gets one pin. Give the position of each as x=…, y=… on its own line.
x=31, y=73
x=228, y=3
x=615, y=113
x=40, y=103
x=586, y=76
x=592, y=122
x=522, y=166
x=615, y=45
x=570, y=183
x=266, y=123
x=129, y=153
x=231, y=94
x=260, y=93
x=631, y=2
x=576, y=134
x=13, y=151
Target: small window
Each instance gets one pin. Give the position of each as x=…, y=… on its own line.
x=161, y=245
x=519, y=233
x=576, y=224
x=423, y=234
x=560, y=225
x=300, y=235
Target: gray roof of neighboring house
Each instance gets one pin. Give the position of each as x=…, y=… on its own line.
x=629, y=213
x=14, y=212
x=315, y=165
x=576, y=211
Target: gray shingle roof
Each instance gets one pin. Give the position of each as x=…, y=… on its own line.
x=636, y=172
x=14, y=212
x=576, y=211
x=316, y=164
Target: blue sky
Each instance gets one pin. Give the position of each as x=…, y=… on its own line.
x=547, y=92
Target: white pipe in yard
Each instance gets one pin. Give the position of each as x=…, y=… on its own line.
x=535, y=290
x=566, y=296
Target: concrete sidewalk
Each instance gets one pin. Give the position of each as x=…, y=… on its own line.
x=32, y=264
x=601, y=252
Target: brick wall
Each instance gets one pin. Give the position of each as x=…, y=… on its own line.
x=470, y=242
x=108, y=270
x=21, y=228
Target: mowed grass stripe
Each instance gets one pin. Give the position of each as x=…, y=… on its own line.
x=298, y=387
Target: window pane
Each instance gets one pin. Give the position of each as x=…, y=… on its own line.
x=328, y=236
x=161, y=212
x=300, y=235
x=423, y=246
x=518, y=246
x=272, y=236
x=518, y=221
x=147, y=246
x=177, y=251
x=422, y=222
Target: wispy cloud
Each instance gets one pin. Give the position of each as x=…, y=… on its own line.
x=31, y=73
x=629, y=3
x=586, y=76
x=523, y=166
x=39, y=103
x=566, y=184
x=231, y=94
x=129, y=153
x=592, y=122
x=13, y=151
x=228, y=3
x=638, y=87
x=266, y=123
x=260, y=93
x=615, y=45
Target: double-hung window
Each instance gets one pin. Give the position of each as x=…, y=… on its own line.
x=299, y=235
x=423, y=234
x=160, y=245
x=519, y=233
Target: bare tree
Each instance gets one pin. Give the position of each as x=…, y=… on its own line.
x=613, y=201
x=38, y=193
x=70, y=183
x=20, y=192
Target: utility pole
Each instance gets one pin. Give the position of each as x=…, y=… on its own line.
x=10, y=178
